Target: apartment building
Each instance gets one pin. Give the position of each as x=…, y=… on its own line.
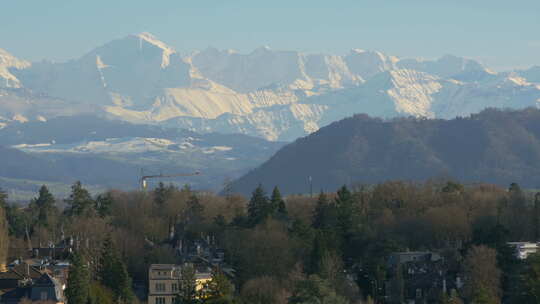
x=163, y=280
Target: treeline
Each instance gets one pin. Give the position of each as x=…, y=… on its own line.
x=331, y=248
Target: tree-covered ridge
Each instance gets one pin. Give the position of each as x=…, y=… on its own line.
x=495, y=146
x=331, y=248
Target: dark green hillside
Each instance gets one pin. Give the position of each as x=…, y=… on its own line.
x=493, y=146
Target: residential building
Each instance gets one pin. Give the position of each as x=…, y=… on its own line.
x=44, y=289
x=523, y=249
x=25, y=281
x=164, y=280
x=418, y=277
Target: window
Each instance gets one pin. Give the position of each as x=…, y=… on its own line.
x=174, y=287
x=160, y=300
x=160, y=286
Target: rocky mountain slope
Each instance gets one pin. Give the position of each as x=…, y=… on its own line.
x=493, y=146
x=277, y=95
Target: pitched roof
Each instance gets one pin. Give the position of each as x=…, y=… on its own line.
x=27, y=271
x=10, y=275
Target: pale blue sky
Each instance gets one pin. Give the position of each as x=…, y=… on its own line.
x=502, y=34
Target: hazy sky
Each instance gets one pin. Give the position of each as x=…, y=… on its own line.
x=501, y=34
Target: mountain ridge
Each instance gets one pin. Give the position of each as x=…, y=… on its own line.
x=274, y=94
x=494, y=146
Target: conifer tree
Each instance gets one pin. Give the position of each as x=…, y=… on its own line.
x=4, y=238
x=346, y=211
x=277, y=205
x=326, y=216
x=113, y=273
x=317, y=254
x=162, y=193
x=258, y=206
x=45, y=204
x=78, y=284
x=194, y=212
x=103, y=204
x=320, y=209
x=80, y=202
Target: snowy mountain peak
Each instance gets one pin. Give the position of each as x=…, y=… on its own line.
x=145, y=36
x=151, y=39
x=7, y=61
x=276, y=94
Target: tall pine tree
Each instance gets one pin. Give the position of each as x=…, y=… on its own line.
x=103, y=204
x=46, y=206
x=113, y=273
x=80, y=202
x=277, y=205
x=258, y=206
x=4, y=238
x=325, y=216
x=78, y=284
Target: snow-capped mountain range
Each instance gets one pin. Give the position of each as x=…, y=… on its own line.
x=277, y=95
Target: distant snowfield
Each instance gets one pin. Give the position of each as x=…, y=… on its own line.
x=276, y=95
x=124, y=146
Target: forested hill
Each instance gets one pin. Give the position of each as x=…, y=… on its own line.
x=496, y=146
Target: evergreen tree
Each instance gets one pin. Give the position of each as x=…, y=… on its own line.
x=4, y=238
x=103, y=204
x=325, y=216
x=162, y=193
x=113, y=273
x=194, y=213
x=80, y=202
x=45, y=204
x=258, y=206
x=78, y=284
x=277, y=205
x=346, y=212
